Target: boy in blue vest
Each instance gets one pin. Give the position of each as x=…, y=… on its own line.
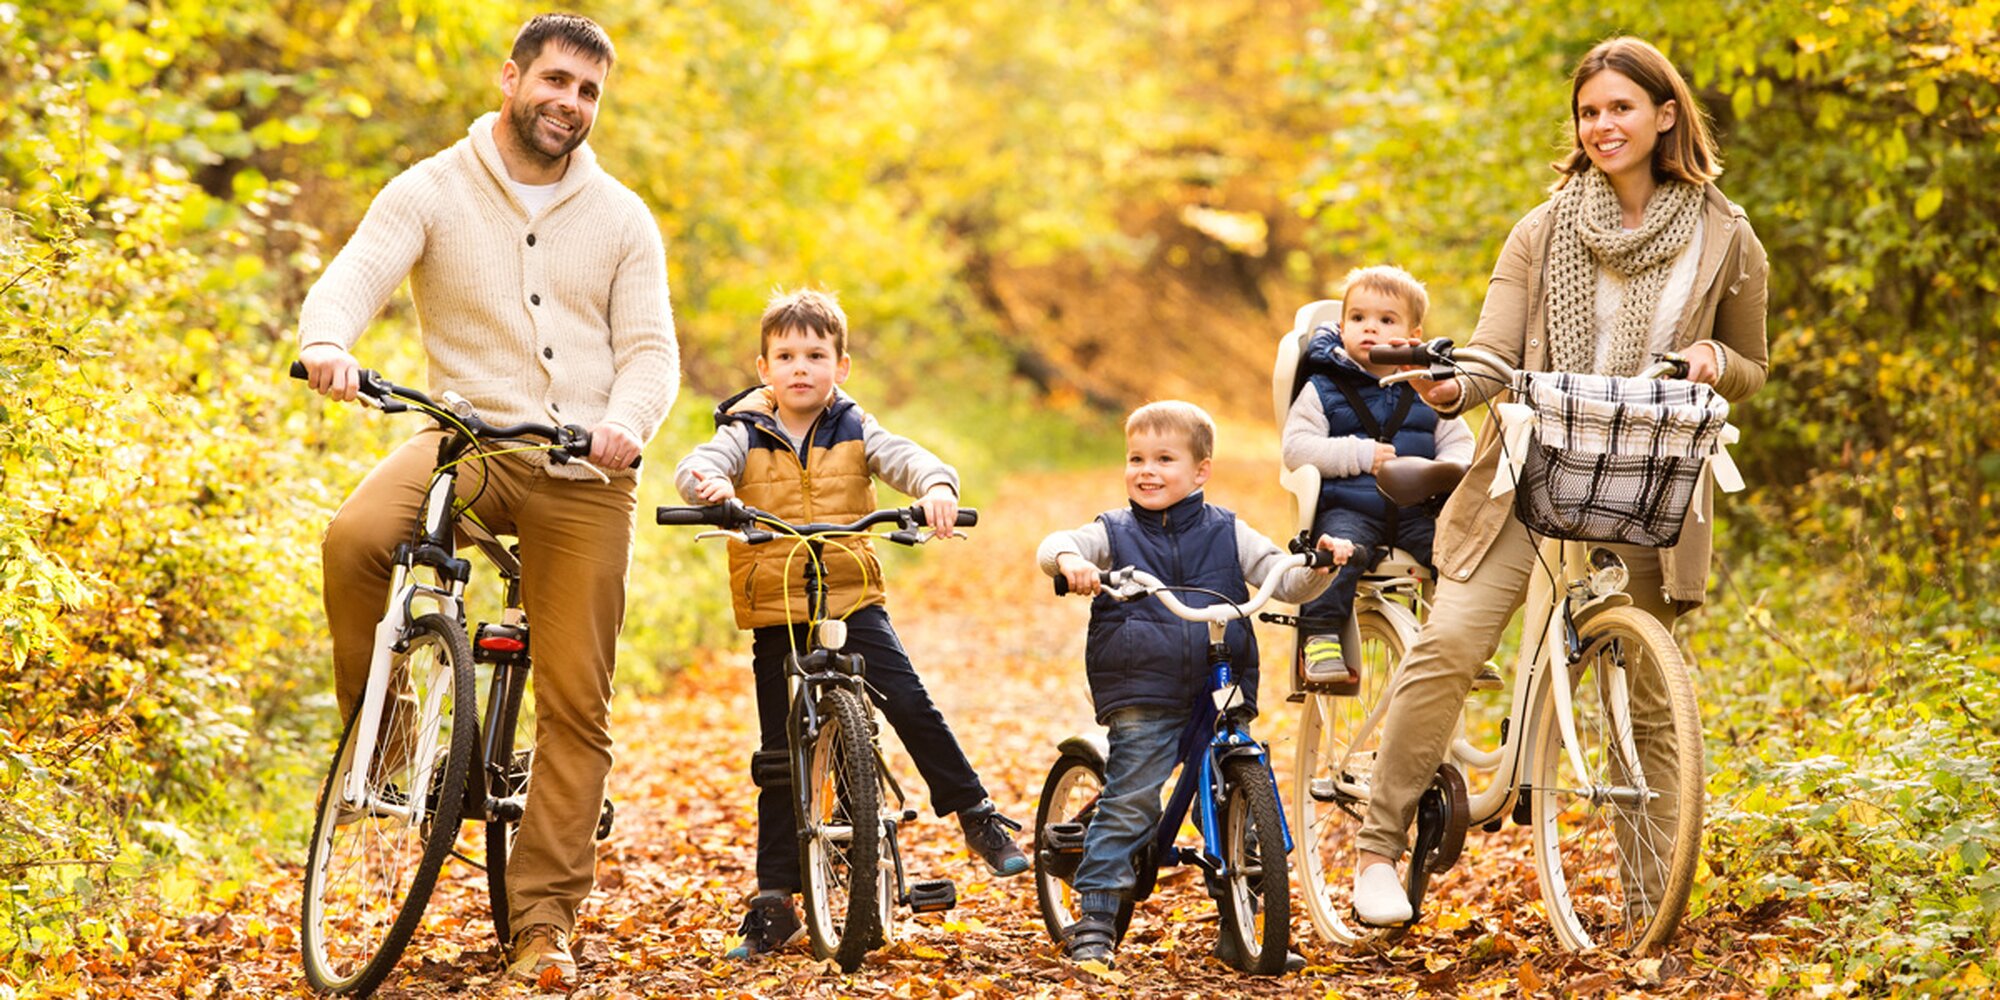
x=798, y=447
x=1146, y=667
x=1346, y=424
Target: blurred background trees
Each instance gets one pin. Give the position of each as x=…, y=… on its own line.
x=1037, y=214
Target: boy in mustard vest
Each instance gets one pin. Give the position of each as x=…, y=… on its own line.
x=798, y=447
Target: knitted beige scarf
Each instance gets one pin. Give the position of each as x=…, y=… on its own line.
x=1588, y=236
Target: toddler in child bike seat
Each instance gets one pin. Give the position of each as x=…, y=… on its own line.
x=1346, y=425
x=1145, y=666
x=797, y=446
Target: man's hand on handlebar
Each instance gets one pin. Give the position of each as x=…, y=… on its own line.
x=1080, y=573
x=332, y=372
x=940, y=506
x=613, y=446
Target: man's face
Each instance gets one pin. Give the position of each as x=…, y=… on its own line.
x=552, y=102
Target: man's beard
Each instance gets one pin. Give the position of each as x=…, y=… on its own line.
x=525, y=122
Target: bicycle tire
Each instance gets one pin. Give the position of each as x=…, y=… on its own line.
x=1069, y=795
x=1334, y=755
x=1584, y=829
x=500, y=833
x=842, y=820
x=351, y=935
x=1257, y=903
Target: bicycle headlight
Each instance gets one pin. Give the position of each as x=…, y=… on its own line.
x=1607, y=572
x=832, y=634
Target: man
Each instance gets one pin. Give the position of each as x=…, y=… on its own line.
x=541, y=290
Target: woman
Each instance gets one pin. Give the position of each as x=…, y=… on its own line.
x=1634, y=253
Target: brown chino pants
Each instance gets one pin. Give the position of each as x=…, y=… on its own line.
x=576, y=543
x=1464, y=628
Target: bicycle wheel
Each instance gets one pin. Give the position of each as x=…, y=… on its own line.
x=1338, y=736
x=502, y=829
x=1616, y=846
x=370, y=868
x=843, y=823
x=1257, y=902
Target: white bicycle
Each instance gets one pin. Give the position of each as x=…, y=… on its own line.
x=1616, y=834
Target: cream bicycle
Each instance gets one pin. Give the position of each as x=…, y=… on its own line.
x=1616, y=832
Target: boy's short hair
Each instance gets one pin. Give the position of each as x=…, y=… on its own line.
x=573, y=30
x=1393, y=281
x=1173, y=416
x=807, y=309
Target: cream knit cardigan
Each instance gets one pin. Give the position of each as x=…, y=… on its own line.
x=560, y=317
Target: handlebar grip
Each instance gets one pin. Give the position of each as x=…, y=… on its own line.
x=716, y=514
x=1399, y=354
x=298, y=370
x=1062, y=585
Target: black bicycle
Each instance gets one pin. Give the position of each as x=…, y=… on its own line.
x=377, y=843
x=851, y=865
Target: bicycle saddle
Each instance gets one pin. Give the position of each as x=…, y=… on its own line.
x=1407, y=480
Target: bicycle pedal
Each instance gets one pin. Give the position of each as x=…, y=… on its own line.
x=909, y=815
x=604, y=819
x=934, y=895
x=1061, y=850
x=1488, y=679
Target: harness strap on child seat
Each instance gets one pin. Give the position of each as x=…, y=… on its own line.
x=1383, y=433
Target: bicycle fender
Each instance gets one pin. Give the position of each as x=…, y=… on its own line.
x=1582, y=615
x=1091, y=747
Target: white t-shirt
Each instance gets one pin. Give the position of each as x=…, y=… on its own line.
x=1666, y=313
x=534, y=197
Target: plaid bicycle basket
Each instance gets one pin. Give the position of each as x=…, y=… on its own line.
x=1615, y=459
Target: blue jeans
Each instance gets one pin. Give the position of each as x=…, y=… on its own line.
x=1145, y=746
x=1414, y=534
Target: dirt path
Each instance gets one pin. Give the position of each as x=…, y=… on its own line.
x=1003, y=658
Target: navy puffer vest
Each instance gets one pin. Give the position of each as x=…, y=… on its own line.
x=1138, y=652
x=1417, y=435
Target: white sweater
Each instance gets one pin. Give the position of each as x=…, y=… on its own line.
x=560, y=316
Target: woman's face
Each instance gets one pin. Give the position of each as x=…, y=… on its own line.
x=1617, y=123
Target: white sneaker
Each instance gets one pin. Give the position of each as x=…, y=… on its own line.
x=1379, y=899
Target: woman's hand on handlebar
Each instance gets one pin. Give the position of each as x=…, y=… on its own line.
x=1080, y=573
x=940, y=506
x=331, y=371
x=1342, y=550
x=711, y=488
x=1704, y=366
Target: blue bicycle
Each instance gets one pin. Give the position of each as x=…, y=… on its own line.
x=1225, y=776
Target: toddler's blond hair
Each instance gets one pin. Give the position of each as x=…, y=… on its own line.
x=1173, y=416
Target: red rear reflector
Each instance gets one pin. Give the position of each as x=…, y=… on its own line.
x=502, y=644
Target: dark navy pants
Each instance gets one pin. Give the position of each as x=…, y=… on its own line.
x=1414, y=534
x=896, y=689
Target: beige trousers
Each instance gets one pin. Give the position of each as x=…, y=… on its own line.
x=1464, y=628
x=576, y=543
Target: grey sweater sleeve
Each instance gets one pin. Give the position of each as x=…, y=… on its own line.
x=1454, y=441
x=1090, y=541
x=902, y=463
x=722, y=455
x=1306, y=442
x=1258, y=554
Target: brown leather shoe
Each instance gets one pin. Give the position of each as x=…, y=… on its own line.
x=539, y=947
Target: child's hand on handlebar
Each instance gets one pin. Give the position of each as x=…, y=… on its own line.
x=940, y=506
x=713, y=489
x=1080, y=573
x=1342, y=550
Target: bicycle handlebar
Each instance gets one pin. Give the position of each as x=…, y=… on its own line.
x=734, y=515
x=1444, y=359
x=1127, y=583
x=568, y=441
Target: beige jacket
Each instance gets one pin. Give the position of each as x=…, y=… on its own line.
x=561, y=317
x=1726, y=306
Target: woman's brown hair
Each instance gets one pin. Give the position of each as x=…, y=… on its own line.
x=1684, y=152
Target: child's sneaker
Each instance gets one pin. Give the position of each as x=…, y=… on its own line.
x=991, y=836
x=1326, y=664
x=1092, y=938
x=770, y=925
